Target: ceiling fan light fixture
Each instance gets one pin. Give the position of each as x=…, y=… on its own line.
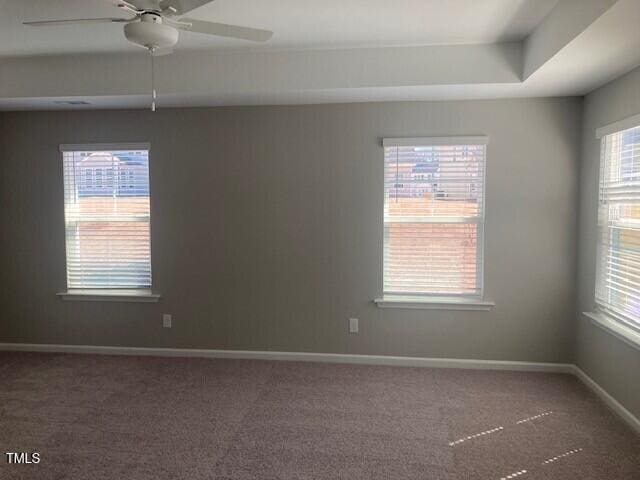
x=151, y=33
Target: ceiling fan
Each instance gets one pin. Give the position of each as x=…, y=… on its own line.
x=154, y=25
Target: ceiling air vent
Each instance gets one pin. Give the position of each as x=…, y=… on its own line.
x=71, y=102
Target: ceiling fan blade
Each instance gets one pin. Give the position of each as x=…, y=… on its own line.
x=224, y=30
x=76, y=21
x=180, y=7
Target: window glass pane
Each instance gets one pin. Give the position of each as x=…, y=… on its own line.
x=423, y=258
x=433, y=218
x=107, y=214
x=618, y=276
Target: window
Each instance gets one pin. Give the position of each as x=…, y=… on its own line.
x=107, y=217
x=618, y=265
x=433, y=217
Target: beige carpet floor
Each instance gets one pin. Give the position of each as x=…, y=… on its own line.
x=142, y=418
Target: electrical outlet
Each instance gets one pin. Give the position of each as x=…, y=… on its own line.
x=166, y=320
x=353, y=325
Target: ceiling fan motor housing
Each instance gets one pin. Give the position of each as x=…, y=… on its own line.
x=151, y=33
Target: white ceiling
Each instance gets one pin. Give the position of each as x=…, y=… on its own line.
x=324, y=51
x=298, y=24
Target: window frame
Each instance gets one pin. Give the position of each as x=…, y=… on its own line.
x=143, y=295
x=442, y=301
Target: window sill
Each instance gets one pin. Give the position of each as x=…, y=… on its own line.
x=139, y=296
x=615, y=328
x=436, y=303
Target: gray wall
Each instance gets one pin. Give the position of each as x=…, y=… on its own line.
x=612, y=363
x=267, y=229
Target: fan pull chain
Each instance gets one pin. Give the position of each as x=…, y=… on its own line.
x=153, y=81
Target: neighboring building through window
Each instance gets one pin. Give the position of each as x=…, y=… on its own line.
x=107, y=216
x=433, y=217
x=618, y=265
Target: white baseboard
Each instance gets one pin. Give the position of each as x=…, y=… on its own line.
x=629, y=418
x=625, y=414
x=296, y=357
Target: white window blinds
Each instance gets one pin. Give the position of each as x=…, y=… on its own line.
x=106, y=204
x=618, y=268
x=433, y=216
